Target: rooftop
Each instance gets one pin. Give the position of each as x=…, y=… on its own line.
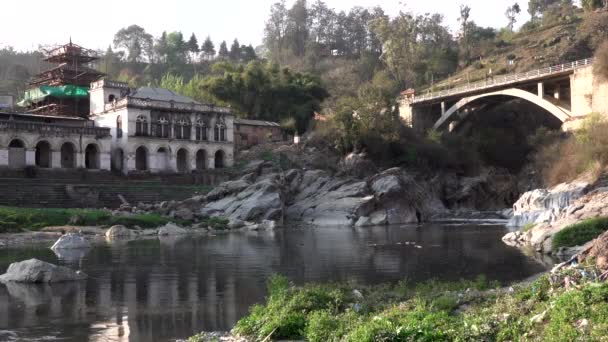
x=255, y=123
x=160, y=94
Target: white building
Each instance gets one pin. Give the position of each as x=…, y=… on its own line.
x=159, y=131
x=52, y=142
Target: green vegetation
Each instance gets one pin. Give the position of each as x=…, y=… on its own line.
x=17, y=219
x=528, y=227
x=216, y=223
x=434, y=311
x=580, y=233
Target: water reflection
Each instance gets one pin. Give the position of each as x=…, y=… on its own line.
x=156, y=290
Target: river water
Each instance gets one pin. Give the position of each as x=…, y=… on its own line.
x=160, y=290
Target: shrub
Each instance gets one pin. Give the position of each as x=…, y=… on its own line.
x=580, y=233
x=217, y=223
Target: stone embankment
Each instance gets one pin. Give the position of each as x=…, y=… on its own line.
x=540, y=214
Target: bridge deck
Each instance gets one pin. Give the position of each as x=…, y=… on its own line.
x=502, y=81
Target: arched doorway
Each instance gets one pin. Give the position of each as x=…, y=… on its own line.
x=183, y=161
x=162, y=159
x=68, y=156
x=219, y=159
x=16, y=154
x=141, y=159
x=43, y=154
x=91, y=157
x=118, y=158
x=201, y=160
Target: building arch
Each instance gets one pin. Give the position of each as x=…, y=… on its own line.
x=43, y=155
x=118, y=160
x=16, y=153
x=141, y=126
x=142, y=156
x=163, y=159
x=183, y=160
x=92, y=157
x=68, y=155
x=560, y=113
x=220, y=159
x=119, y=127
x=201, y=160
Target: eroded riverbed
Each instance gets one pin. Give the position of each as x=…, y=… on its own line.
x=160, y=290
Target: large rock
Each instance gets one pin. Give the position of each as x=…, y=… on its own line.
x=259, y=201
x=71, y=241
x=545, y=205
x=119, y=232
x=170, y=229
x=36, y=271
x=184, y=214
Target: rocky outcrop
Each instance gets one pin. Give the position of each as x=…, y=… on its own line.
x=71, y=241
x=563, y=208
x=36, y=271
x=546, y=205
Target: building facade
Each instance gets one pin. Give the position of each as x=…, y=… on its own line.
x=156, y=130
x=248, y=133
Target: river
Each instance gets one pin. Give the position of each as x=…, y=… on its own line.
x=160, y=290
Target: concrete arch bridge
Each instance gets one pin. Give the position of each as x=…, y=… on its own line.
x=568, y=92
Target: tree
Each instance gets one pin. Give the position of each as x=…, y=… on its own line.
x=160, y=48
x=248, y=53
x=465, y=13
x=537, y=7
x=177, y=49
x=276, y=29
x=192, y=47
x=235, y=51
x=512, y=13
x=297, y=27
x=223, y=53
x=208, y=48
x=136, y=41
x=590, y=5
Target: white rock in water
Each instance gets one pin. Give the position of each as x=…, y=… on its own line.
x=171, y=229
x=119, y=232
x=71, y=241
x=36, y=271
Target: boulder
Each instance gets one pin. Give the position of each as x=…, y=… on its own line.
x=119, y=232
x=599, y=252
x=71, y=241
x=171, y=229
x=259, y=201
x=226, y=189
x=36, y=271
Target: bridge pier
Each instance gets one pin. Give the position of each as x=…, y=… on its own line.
x=541, y=89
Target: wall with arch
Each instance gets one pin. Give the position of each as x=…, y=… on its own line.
x=45, y=150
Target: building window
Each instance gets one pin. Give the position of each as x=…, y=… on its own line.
x=220, y=132
x=162, y=127
x=201, y=131
x=119, y=127
x=141, y=126
x=183, y=129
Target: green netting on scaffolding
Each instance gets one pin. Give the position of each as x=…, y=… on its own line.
x=39, y=94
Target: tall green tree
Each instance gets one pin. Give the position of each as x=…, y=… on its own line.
x=223, y=52
x=136, y=41
x=276, y=29
x=298, y=27
x=537, y=7
x=208, y=49
x=235, y=51
x=192, y=47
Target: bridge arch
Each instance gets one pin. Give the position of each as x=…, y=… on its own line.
x=560, y=113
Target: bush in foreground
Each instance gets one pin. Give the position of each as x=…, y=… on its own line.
x=580, y=233
x=435, y=311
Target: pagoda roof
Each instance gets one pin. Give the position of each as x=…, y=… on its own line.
x=67, y=74
x=70, y=52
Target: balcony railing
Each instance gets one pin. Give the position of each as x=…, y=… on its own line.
x=49, y=128
x=504, y=80
x=165, y=105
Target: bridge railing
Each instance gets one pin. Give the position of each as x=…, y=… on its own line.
x=507, y=79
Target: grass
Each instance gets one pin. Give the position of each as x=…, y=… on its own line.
x=580, y=233
x=433, y=311
x=18, y=219
x=216, y=223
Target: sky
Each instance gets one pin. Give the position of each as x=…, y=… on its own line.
x=94, y=23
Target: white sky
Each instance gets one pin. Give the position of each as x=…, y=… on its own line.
x=93, y=23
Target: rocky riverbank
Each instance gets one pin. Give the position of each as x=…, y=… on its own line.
x=541, y=214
